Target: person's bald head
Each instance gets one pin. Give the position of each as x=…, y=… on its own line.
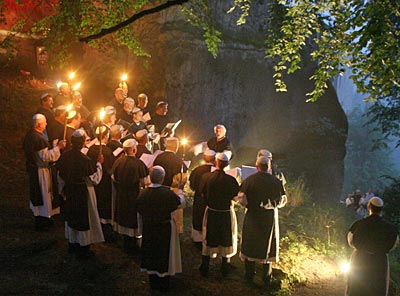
x=220, y=131
x=157, y=174
x=119, y=95
x=129, y=104
x=142, y=100
x=172, y=144
x=39, y=122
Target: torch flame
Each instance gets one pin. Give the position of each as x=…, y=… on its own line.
x=77, y=86
x=102, y=113
x=69, y=107
x=124, y=77
x=184, y=141
x=59, y=83
x=71, y=75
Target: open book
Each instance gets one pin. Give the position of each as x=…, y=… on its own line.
x=171, y=127
x=118, y=151
x=146, y=117
x=123, y=123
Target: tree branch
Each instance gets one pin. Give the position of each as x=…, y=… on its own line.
x=133, y=18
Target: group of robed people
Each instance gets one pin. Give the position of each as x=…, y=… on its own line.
x=103, y=188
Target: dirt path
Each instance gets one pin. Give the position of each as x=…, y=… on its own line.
x=323, y=279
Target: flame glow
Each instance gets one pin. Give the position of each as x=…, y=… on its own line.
x=77, y=86
x=71, y=75
x=124, y=77
x=102, y=113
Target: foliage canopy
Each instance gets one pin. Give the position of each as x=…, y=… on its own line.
x=361, y=34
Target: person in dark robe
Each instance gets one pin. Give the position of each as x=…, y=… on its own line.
x=199, y=204
x=40, y=159
x=219, y=223
x=137, y=123
x=372, y=238
x=143, y=139
x=115, y=139
x=175, y=172
x=78, y=174
x=220, y=143
x=273, y=170
x=46, y=107
x=78, y=105
x=160, y=117
x=73, y=123
x=161, y=256
x=159, y=120
x=104, y=188
x=110, y=117
x=64, y=95
x=173, y=165
x=118, y=101
x=126, y=113
x=141, y=102
x=129, y=175
x=55, y=129
x=262, y=194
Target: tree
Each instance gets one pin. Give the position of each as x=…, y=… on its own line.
x=361, y=34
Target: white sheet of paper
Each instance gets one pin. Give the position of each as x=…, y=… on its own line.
x=91, y=143
x=187, y=163
x=157, y=139
x=233, y=172
x=148, y=159
x=176, y=125
x=199, y=148
x=247, y=171
x=84, y=150
x=228, y=153
x=146, y=117
x=118, y=151
x=157, y=153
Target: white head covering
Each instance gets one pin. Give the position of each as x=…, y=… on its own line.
x=79, y=133
x=130, y=143
x=209, y=152
x=376, y=201
x=222, y=156
x=140, y=133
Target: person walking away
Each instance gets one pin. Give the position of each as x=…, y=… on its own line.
x=372, y=238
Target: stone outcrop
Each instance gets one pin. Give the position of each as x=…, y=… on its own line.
x=237, y=90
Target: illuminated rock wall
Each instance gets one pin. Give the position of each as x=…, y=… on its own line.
x=237, y=89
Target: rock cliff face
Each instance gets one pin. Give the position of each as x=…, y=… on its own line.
x=237, y=90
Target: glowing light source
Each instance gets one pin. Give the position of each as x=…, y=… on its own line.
x=71, y=75
x=77, y=86
x=102, y=113
x=184, y=141
x=68, y=116
x=124, y=77
x=59, y=83
x=345, y=267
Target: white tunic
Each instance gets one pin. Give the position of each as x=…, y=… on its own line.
x=43, y=157
x=95, y=233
